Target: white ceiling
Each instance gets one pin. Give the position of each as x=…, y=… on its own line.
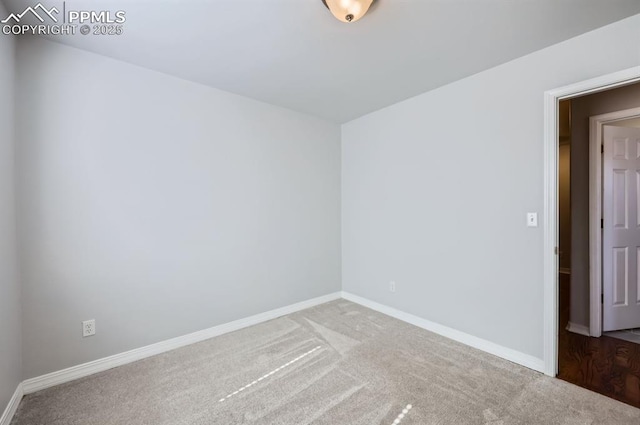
x=293, y=53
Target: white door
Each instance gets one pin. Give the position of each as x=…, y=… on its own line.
x=621, y=228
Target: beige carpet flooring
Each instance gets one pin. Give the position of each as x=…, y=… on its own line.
x=338, y=363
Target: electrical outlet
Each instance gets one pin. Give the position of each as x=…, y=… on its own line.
x=88, y=328
x=392, y=286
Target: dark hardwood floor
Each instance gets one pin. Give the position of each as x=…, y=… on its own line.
x=609, y=366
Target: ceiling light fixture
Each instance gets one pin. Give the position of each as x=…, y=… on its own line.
x=348, y=10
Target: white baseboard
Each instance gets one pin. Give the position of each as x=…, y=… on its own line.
x=578, y=329
x=60, y=377
x=7, y=416
x=514, y=356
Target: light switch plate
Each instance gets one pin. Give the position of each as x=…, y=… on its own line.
x=532, y=219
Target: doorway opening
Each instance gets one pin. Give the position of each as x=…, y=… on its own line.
x=598, y=240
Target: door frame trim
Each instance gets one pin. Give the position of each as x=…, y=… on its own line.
x=550, y=213
x=596, y=123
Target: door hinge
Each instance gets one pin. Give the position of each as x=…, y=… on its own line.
x=555, y=250
x=601, y=298
x=601, y=148
x=602, y=223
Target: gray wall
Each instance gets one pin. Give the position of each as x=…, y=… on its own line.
x=10, y=345
x=581, y=109
x=633, y=122
x=161, y=207
x=436, y=189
